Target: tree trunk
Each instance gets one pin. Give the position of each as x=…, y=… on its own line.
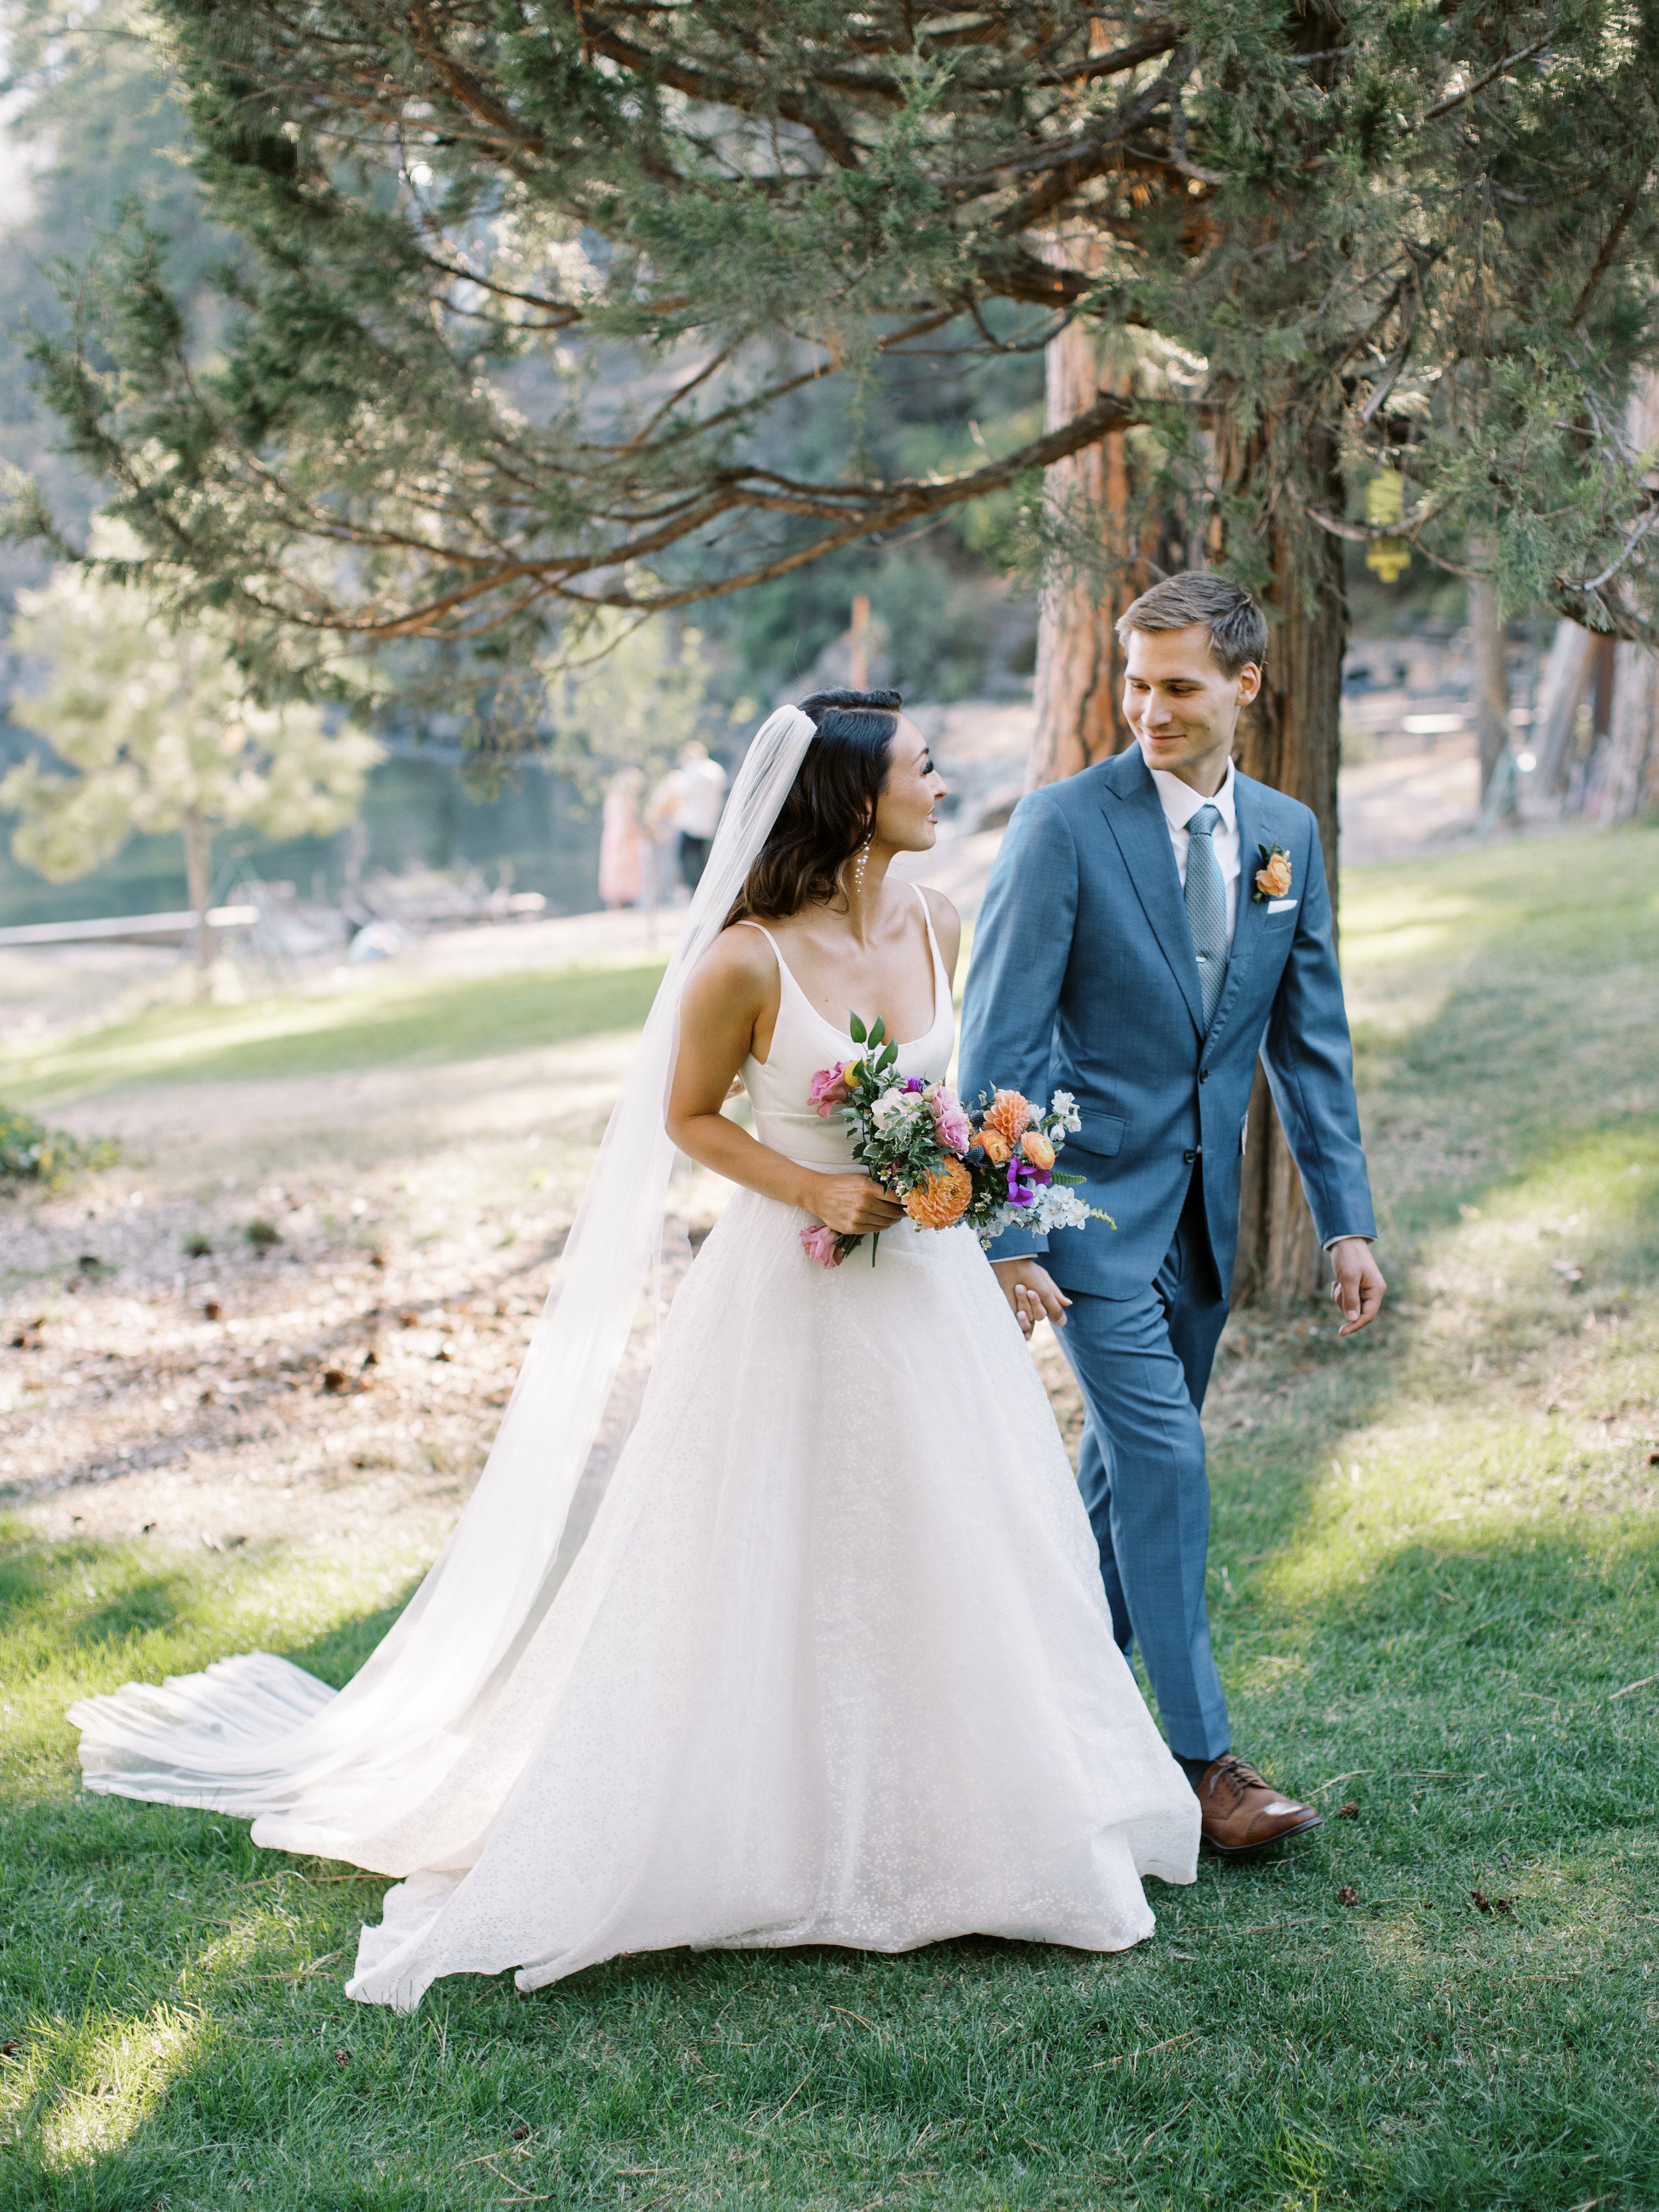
x=1490, y=648
x=1079, y=664
x=1291, y=739
x=198, y=875
x=1630, y=784
x=1566, y=672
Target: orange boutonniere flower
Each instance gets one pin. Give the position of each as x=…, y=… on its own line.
x=1273, y=878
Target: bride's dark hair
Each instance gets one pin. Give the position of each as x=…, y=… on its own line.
x=831, y=806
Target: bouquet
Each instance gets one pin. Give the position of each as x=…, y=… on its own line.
x=990, y=1166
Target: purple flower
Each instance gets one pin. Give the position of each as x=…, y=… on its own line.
x=915, y=1082
x=1021, y=1188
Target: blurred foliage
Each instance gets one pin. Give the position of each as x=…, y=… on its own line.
x=162, y=732
x=30, y=1153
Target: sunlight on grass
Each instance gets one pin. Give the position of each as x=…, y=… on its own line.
x=108, y=2079
x=1435, y=1592
x=86, y=1616
x=1551, y=1277
x=384, y=1022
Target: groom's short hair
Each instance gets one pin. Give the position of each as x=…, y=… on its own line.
x=1238, y=627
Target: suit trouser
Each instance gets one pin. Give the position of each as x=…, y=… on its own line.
x=1143, y=1365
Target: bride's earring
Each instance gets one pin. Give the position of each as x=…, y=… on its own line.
x=860, y=860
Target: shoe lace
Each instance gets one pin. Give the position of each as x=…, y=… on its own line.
x=1237, y=1775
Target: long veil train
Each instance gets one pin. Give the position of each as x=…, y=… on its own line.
x=354, y=1773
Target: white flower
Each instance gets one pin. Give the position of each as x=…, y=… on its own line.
x=1062, y=1208
x=1062, y=1104
x=896, y=1106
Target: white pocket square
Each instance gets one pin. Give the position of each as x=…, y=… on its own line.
x=1281, y=906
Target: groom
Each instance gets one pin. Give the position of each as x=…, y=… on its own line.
x=1150, y=927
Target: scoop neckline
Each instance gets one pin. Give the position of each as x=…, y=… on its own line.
x=938, y=962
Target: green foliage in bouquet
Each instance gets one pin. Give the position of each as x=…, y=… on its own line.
x=986, y=1170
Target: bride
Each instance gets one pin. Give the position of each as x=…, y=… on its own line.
x=833, y=1663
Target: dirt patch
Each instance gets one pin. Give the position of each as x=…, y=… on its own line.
x=166, y=1373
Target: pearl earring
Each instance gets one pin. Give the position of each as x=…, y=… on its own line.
x=859, y=861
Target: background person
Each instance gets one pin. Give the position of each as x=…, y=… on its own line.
x=622, y=854
x=700, y=794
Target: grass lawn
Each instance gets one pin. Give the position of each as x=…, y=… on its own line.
x=1436, y=1590
x=383, y=1022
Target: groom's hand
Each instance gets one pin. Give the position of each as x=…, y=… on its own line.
x=1359, y=1287
x=1032, y=1291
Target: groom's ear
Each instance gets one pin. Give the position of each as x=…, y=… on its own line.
x=1249, y=682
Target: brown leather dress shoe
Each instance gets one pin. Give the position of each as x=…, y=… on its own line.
x=1241, y=1813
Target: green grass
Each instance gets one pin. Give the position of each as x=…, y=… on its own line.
x=386, y=1023
x=1436, y=1590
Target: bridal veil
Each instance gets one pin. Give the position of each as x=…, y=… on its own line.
x=347, y=1773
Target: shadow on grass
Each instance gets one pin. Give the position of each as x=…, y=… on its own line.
x=1476, y=1693
x=1422, y=2053
x=335, y=1657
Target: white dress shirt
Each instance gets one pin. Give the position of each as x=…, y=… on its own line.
x=700, y=794
x=1180, y=803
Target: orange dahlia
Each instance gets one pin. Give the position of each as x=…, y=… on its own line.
x=943, y=1198
x=1009, y=1115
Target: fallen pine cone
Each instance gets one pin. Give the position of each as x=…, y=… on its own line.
x=1348, y=1812
x=1482, y=1902
x=1348, y=1895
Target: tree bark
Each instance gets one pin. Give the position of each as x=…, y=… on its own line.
x=1291, y=739
x=1489, y=649
x=1566, y=672
x=198, y=875
x=1078, y=694
x=1630, y=784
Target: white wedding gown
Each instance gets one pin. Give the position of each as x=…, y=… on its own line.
x=834, y=1664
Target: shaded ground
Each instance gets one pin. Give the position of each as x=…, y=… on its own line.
x=1435, y=1583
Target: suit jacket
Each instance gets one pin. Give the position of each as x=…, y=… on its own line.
x=1084, y=979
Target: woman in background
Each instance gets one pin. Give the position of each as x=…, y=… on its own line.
x=622, y=841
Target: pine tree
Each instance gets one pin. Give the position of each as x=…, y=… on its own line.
x=160, y=731
x=525, y=290
x=524, y=287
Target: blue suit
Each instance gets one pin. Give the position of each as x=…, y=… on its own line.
x=1084, y=979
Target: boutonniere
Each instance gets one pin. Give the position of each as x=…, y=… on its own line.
x=1273, y=878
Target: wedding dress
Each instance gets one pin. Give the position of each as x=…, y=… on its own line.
x=834, y=1663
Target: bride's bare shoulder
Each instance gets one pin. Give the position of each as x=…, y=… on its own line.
x=739, y=962
x=947, y=925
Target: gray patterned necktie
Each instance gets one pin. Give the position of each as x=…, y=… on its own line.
x=1206, y=908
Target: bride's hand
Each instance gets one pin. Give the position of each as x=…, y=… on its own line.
x=1032, y=1292
x=852, y=1205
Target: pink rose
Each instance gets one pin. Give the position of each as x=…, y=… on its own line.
x=949, y=1121
x=827, y=1090
x=822, y=1245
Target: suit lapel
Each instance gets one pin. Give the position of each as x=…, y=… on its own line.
x=1248, y=922
x=1135, y=817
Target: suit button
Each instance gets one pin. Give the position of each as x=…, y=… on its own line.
x=1189, y=1157
x=1203, y=1074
